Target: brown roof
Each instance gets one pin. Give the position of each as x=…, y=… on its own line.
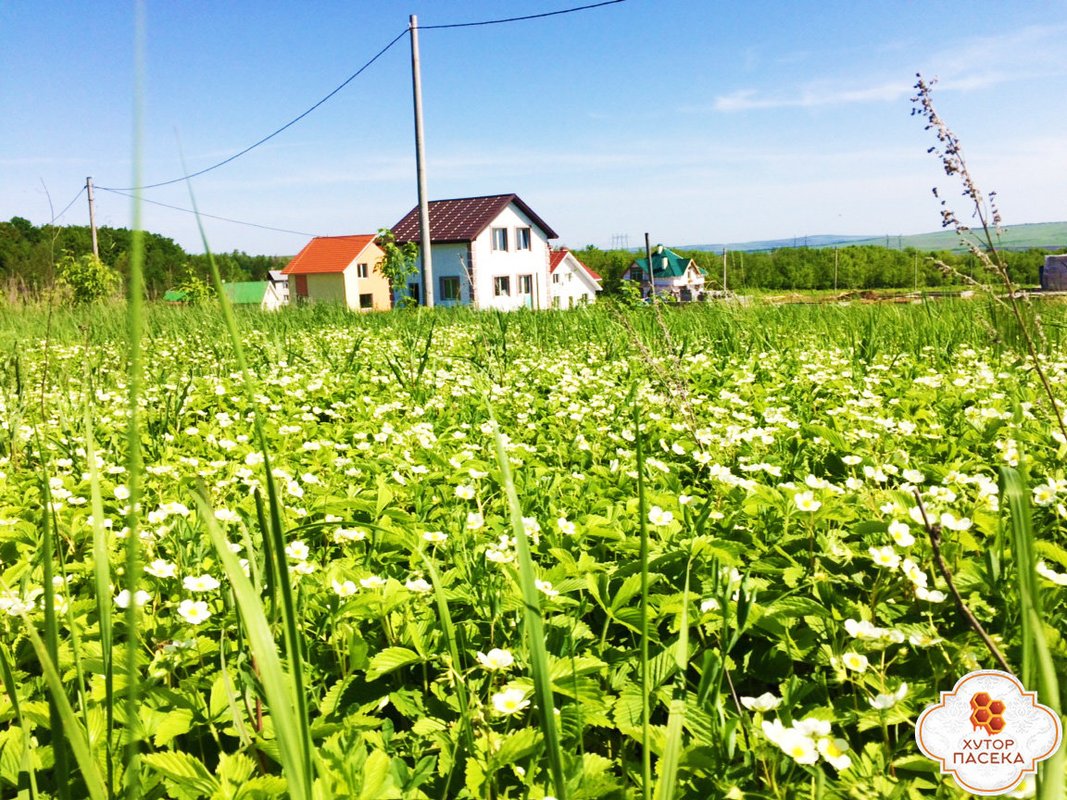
x=328, y=254
x=463, y=219
x=555, y=258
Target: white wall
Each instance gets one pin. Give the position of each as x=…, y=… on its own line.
x=574, y=286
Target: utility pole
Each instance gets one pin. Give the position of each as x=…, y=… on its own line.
x=651, y=278
x=92, y=217
x=724, y=271
x=420, y=167
x=835, y=269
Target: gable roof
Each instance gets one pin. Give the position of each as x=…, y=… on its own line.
x=246, y=292
x=328, y=254
x=462, y=219
x=667, y=264
x=555, y=258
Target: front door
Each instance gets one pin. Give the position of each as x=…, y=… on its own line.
x=526, y=290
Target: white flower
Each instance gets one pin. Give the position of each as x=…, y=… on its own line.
x=805, y=501
x=884, y=702
x=793, y=742
x=200, y=583
x=434, y=537
x=545, y=587
x=765, y=702
x=417, y=585
x=161, y=569
x=835, y=752
x=565, y=526
x=372, y=582
x=953, y=524
x=349, y=535
x=510, y=701
x=854, y=661
x=298, y=551
x=885, y=556
x=225, y=515
x=851, y=460
x=711, y=604
x=496, y=659
x=464, y=492
x=344, y=588
x=475, y=521
x=194, y=611
x=914, y=476
x=1046, y=572
x=901, y=534
x=122, y=599
x=657, y=516
x=932, y=596
x=122, y=492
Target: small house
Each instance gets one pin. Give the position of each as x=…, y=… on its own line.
x=572, y=282
x=672, y=275
x=486, y=252
x=260, y=294
x=1053, y=274
x=339, y=269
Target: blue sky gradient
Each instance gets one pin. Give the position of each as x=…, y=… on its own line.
x=695, y=121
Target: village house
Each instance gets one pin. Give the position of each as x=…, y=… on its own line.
x=573, y=283
x=672, y=275
x=487, y=252
x=339, y=269
x=264, y=295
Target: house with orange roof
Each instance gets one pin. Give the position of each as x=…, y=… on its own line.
x=339, y=269
x=487, y=252
x=572, y=282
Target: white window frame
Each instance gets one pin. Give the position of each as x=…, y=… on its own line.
x=362, y=270
x=502, y=286
x=528, y=279
x=520, y=234
x=500, y=239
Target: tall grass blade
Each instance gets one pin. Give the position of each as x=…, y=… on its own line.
x=672, y=751
x=12, y=692
x=273, y=536
x=277, y=684
x=72, y=730
x=1038, y=668
x=646, y=689
x=535, y=633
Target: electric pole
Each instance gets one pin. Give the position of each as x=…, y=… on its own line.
x=420, y=167
x=651, y=274
x=92, y=217
x=724, y=272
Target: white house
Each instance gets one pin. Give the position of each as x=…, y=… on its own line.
x=572, y=282
x=673, y=275
x=488, y=252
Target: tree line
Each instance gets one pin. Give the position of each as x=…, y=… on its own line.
x=842, y=268
x=31, y=257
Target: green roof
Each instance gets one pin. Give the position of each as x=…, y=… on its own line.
x=175, y=295
x=246, y=292
x=667, y=264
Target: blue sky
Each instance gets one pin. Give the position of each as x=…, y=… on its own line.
x=695, y=121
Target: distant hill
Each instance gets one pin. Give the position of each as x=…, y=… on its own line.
x=1042, y=235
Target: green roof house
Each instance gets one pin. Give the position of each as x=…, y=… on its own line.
x=175, y=296
x=263, y=294
x=672, y=274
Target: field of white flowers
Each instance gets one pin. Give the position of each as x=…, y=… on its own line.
x=723, y=517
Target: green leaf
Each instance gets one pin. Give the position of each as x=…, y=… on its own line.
x=173, y=723
x=184, y=770
x=516, y=746
x=389, y=660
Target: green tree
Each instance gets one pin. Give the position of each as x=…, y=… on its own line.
x=88, y=278
x=399, y=262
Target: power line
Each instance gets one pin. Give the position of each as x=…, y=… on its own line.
x=345, y=83
x=519, y=19
x=267, y=138
x=57, y=217
x=202, y=214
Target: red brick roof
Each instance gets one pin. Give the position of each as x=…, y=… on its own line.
x=463, y=219
x=555, y=258
x=328, y=254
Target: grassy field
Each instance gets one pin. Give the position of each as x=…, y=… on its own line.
x=672, y=552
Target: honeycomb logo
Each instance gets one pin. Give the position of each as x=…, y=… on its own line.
x=987, y=713
x=989, y=732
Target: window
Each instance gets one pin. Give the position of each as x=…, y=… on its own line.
x=500, y=238
x=526, y=284
x=449, y=289
x=366, y=301
x=522, y=239
x=555, y=277
x=502, y=286
x=362, y=270
x=413, y=292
